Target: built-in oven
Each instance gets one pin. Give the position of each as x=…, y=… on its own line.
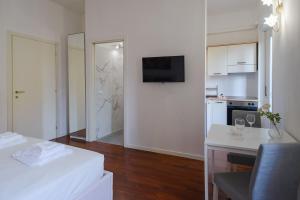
x=239, y=105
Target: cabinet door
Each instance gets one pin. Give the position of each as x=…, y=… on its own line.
x=245, y=54
x=209, y=115
x=219, y=112
x=216, y=113
x=217, y=61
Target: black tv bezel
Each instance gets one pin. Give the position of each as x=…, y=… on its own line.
x=183, y=75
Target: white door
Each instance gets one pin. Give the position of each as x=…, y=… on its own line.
x=209, y=116
x=217, y=61
x=242, y=58
x=244, y=54
x=216, y=113
x=34, y=96
x=219, y=110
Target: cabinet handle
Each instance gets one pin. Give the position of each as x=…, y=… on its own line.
x=217, y=73
x=241, y=63
x=19, y=92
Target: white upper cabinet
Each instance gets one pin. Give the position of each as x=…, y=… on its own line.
x=242, y=58
x=224, y=60
x=217, y=61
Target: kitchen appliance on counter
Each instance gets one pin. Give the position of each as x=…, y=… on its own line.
x=239, y=105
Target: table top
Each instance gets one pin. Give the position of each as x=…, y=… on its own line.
x=250, y=139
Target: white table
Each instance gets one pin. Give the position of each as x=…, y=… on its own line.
x=222, y=138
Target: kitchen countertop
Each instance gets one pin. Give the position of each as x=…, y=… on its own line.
x=233, y=98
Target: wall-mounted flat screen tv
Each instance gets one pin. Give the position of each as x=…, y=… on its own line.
x=163, y=69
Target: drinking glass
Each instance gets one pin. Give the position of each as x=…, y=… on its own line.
x=250, y=119
x=239, y=125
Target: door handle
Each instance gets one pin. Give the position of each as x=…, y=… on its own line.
x=19, y=92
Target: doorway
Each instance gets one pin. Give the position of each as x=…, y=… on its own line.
x=109, y=78
x=33, y=87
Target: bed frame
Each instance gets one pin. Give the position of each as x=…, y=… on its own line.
x=100, y=190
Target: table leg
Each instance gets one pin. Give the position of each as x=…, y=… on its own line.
x=215, y=192
x=212, y=165
x=206, y=171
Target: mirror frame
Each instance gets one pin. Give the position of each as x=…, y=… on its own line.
x=85, y=85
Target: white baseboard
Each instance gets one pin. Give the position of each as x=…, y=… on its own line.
x=167, y=152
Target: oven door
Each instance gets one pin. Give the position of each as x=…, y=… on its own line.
x=231, y=108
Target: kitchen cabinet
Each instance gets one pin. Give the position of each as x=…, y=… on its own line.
x=224, y=60
x=216, y=113
x=217, y=61
x=242, y=58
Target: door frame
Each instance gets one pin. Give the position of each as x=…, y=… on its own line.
x=93, y=74
x=10, y=36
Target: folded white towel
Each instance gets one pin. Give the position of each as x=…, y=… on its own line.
x=41, y=153
x=9, y=139
x=48, y=149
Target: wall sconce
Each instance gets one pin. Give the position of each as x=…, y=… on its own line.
x=273, y=20
x=267, y=2
x=120, y=45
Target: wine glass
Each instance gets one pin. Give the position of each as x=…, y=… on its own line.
x=250, y=119
x=239, y=125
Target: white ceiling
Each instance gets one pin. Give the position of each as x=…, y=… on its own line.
x=217, y=7
x=214, y=7
x=75, y=5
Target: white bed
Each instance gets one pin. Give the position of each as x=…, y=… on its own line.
x=79, y=176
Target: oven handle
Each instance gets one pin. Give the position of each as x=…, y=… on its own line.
x=242, y=108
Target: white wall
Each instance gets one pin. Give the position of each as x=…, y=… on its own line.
x=42, y=19
x=109, y=89
x=239, y=85
x=231, y=20
x=286, y=67
x=159, y=117
x=3, y=109
x=233, y=28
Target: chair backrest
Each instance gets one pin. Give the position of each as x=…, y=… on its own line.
x=298, y=192
x=276, y=173
x=243, y=114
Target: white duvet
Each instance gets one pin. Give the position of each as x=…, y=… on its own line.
x=62, y=179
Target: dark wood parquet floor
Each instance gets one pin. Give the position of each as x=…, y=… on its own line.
x=140, y=175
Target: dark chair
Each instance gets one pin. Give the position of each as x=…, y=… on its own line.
x=240, y=159
x=299, y=192
x=276, y=176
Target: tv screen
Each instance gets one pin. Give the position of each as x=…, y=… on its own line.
x=163, y=69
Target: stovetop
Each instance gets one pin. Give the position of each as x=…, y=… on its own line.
x=233, y=98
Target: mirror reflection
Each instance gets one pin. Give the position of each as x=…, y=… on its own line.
x=76, y=73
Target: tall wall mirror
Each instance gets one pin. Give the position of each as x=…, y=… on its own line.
x=77, y=84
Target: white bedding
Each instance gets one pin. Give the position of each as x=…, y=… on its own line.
x=62, y=179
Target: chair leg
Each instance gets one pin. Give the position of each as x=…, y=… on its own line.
x=215, y=192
